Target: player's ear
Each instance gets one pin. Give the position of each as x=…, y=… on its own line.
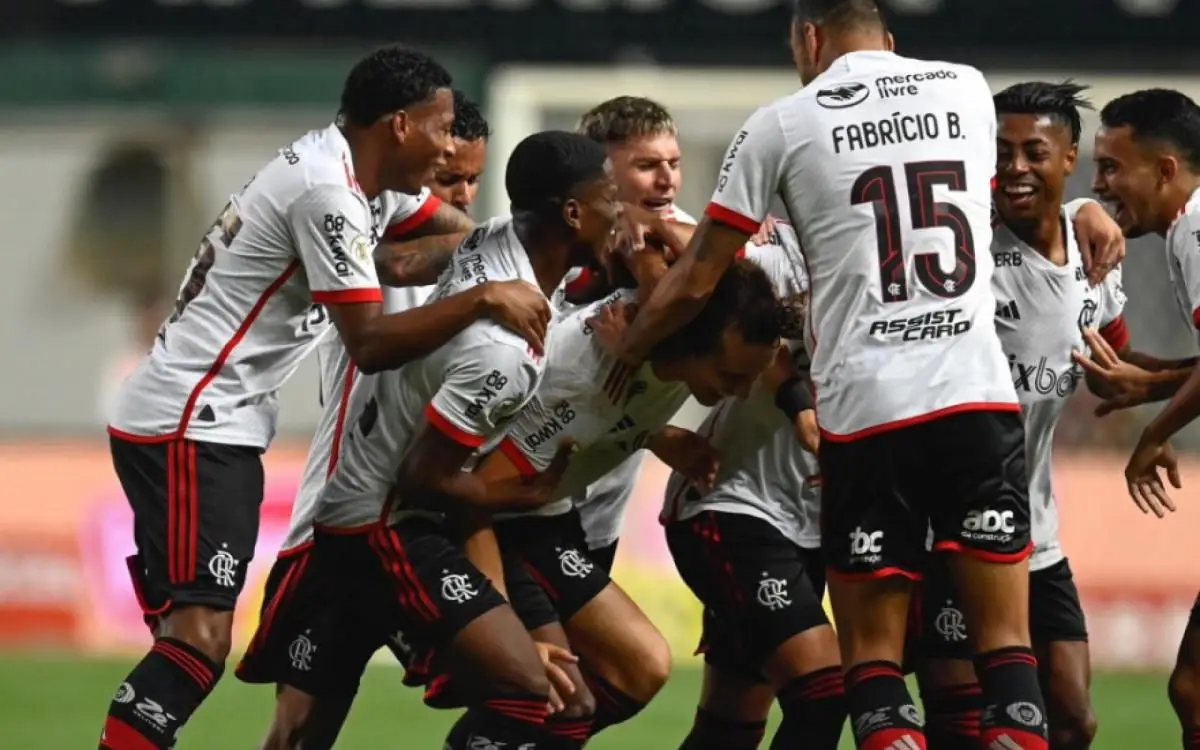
x=1072, y=158
x=400, y=125
x=889, y=41
x=1168, y=167
x=572, y=214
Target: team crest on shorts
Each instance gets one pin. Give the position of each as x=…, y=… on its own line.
x=457, y=587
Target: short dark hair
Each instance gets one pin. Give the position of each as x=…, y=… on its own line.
x=744, y=299
x=388, y=80
x=1060, y=102
x=624, y=117
x=839, y=14
x=469, y=123
x=1162, y=115
x=545, y=169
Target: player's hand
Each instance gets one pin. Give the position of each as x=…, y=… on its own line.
x=1142, y=478
x=636, y=226
x=1101, y=241
x=520, y=307
x=1129, y=385
x=763, y=235
x=807, y=431
x=608, y=328
x=687, y=453
x=560, y=682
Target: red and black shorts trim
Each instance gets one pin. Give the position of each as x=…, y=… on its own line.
x=963, y=474
x=196, y=512
x=757, y=587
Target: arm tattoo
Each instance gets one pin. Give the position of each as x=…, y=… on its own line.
x=416, y=262
x=446, y=219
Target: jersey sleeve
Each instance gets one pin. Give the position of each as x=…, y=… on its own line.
x=543, y=427
x=749, y=176
x=331, y=226
x=1185, y=249
x=410, y=213
x=484, y=389
x=1111, y=315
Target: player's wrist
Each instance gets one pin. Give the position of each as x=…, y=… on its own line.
x=793, y=397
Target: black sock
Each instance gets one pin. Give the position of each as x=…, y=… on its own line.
x=1014, y=713
x=882, y=713
x=612, y=705
x=712, y=732
x=814, y=711
x=952, y=716
x=159, y=696
x=516, y=719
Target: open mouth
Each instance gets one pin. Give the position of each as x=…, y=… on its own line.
x=657, y=204
x=1019, y=195
x=1118, y=211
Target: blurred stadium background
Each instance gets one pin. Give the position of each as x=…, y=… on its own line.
x=125, y=124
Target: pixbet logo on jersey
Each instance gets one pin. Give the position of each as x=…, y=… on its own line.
x=1039, y=377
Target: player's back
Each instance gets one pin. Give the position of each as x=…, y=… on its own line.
x=476, y=372
x=887, y=179
x=249, y=308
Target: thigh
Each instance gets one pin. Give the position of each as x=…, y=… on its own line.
x=870, y=525
x=975, y=485
x=554, y=552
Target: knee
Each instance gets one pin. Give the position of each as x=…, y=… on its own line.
x=209, y=631
x=1184, y=692
x=646, y=674
x=1073, y=730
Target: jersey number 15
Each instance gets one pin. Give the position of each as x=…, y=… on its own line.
x=877, y=186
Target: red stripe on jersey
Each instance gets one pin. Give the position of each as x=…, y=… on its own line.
x=717, y=212
x=418, y=217
x=1117, y=334
x=348, y=296
x=919, y=419
x=451, y=430
x=1196, y=317
x=513, y=453
x=343, y=403
x=580, y=283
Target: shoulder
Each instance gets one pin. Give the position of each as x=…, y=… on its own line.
x=1184, y=235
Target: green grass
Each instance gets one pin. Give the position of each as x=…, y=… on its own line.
x=55, y=702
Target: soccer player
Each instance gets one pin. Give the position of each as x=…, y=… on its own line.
x=1147, y=153
x=722, y=352
x=288, y=255
x=280, y=649
x=749, y=548
x=1044, y=305
x=885, y=163
x=388, y=524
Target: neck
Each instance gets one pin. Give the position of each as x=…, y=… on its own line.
x=1045, y=236
x=549, y=254
x=366, y=162
x=872, y=40
x=666, y=372
x=1178, y=193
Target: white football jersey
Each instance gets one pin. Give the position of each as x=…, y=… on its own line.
x=300, y=234
x=1183, y=260
x=764, y=472
x=1041, y=311
x=607, y=498
x=571, y=404
x=469, y=389
x=884, y=164
x=338, y=373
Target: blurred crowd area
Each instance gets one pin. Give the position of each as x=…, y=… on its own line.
x=125, y=125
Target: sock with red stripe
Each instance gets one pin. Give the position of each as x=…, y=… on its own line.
x=159, y=696
x=613, y=706
x=882, y=714
x=572, y=733
x=712, y=732
x=512, y=721
x=814, y=711
x=1014, y=713
x=952, y=716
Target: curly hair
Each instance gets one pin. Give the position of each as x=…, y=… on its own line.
x=390, y=79
x=469, y=123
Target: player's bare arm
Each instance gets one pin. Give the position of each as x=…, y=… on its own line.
x=684, y=288
x=417, y=258
x=1125, y=378
x=379, y=342
x=688, y=453
x=1101, y=242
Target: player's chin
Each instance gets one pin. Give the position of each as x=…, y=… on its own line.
x=706, y=397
